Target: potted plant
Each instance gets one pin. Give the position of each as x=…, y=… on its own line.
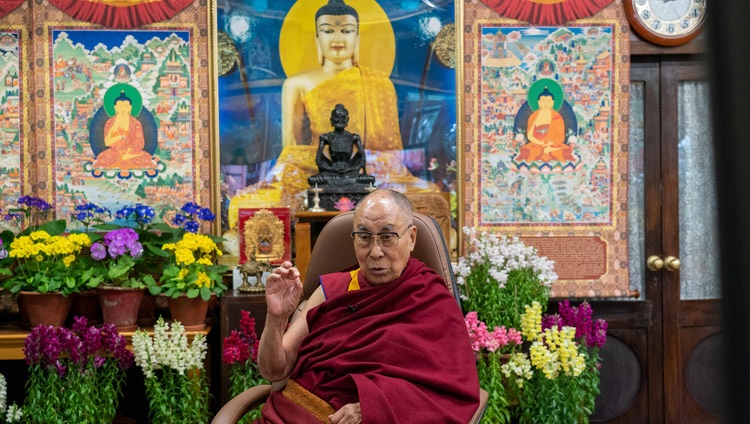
x=240, y=351
x=120, y=286
x=75, y=375
x=191, y=278
x=49, y=268
x=151, y=235
x=552, y=377
x=86, y=302
x=175, y=379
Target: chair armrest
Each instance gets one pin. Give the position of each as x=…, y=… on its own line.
x=241, y=404
x=483, y=397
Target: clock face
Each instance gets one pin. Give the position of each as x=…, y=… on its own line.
x=667, y=22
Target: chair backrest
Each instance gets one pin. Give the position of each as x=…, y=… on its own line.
x=334, y=250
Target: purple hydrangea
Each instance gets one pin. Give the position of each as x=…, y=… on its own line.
x=98, y=251
x=121, y=241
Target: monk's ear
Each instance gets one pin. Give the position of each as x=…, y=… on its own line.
x=413, y=237
x=321, y=58
x=355, y=58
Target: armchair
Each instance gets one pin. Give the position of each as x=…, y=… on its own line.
x=335, y=237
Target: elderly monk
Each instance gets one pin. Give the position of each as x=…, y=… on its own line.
x=385, y=343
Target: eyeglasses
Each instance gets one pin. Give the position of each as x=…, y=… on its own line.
x=385, y=239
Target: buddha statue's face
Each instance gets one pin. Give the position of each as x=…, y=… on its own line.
x=123, y=107
x=546, y=102
x=337, y=37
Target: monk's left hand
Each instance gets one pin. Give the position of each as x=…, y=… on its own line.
x=350, y=413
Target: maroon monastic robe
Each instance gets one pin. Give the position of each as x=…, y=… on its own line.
x=401, y=349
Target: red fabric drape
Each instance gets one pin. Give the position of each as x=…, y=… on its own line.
x=547, y=12
x=119, y=16
x=7, y=6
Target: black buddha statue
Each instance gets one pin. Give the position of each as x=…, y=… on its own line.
x=341, y=162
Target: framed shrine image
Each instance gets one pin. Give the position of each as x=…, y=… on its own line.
x=543, y=146
x=265, y=235
x=267, y=142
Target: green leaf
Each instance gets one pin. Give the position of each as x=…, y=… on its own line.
x=54, y=228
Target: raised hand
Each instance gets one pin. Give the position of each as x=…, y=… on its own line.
x=283, y=290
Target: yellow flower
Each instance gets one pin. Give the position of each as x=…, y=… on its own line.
x=531, y=321
x=39, y=235
x=203, y=280
x=69, y=260
x=205, y=261
x=184, y=256
x=183, y=273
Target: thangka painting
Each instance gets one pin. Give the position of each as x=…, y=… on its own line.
x=13, y=147
x=14, y=118
x=545, y=142
x=128, y=113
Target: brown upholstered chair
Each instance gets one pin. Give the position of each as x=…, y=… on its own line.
x=334, y=251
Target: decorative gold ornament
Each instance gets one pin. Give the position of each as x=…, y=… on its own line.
x=253, y=268
x=264, y=237
x=228, y=54
x=445, y=46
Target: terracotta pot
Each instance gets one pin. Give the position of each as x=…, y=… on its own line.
x=45, y=308
x=120, y=306
x=191, y=313
x=147, y=311
x=86, y=304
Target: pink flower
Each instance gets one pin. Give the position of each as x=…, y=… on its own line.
x=493, y=341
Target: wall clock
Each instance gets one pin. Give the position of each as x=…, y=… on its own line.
x=666, y=22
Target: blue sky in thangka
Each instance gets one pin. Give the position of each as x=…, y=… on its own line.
x=91, y=38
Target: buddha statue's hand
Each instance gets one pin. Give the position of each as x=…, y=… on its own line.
x=283, y=291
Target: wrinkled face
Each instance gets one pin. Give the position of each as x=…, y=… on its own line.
x=380, y=264
x=123, y=107
x=339, y=118
x=337, y=37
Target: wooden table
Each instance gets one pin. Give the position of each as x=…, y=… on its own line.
x=308, y=226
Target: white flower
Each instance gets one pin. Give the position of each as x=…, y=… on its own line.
x=3, y=394
x=503, y=254
x=168, y=349
x=14, y=414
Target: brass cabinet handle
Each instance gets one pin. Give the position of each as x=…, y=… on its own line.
x=654, y=263
x=671, y=263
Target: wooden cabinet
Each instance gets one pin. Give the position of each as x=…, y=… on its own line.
x=307, y=228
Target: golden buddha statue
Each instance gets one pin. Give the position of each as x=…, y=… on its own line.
x=307, y=99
